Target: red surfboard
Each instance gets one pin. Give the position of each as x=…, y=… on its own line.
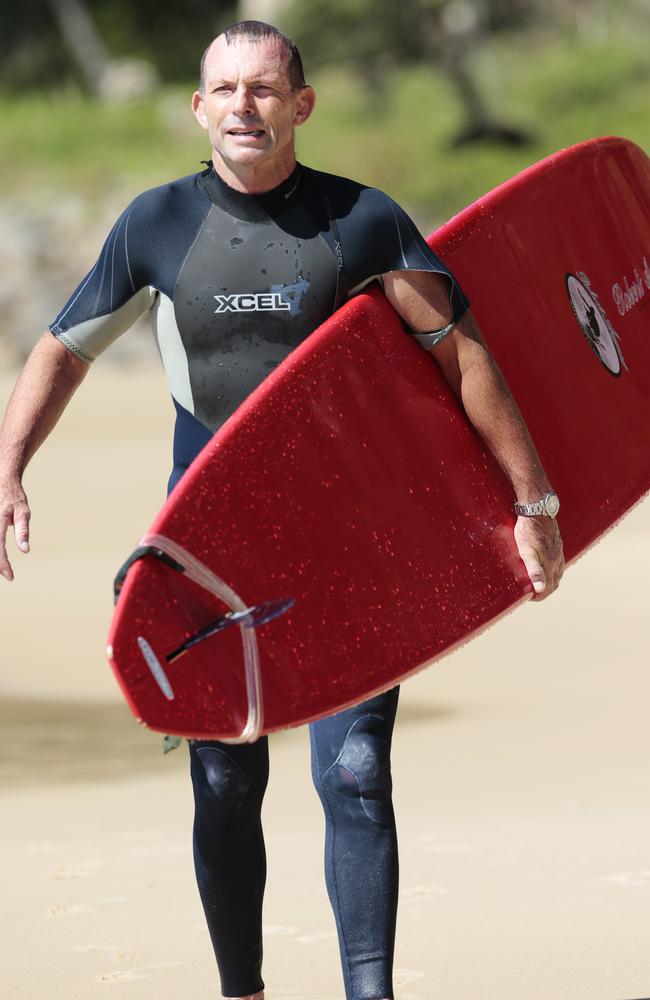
x=346, y=526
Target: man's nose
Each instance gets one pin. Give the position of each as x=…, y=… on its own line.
x=243, y=104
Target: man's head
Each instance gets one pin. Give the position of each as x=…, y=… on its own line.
x=258, y=31
x=251, y=97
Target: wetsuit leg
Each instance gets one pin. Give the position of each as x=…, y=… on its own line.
x=229, y=784
x=351, y=772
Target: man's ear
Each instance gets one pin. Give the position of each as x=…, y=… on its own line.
x=304, y=105
x=198, y=109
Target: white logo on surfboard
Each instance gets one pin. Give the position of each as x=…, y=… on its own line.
x=601, y=335
x=627, y=295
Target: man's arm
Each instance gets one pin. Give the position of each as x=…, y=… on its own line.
x=43, y=390
x=422, y=300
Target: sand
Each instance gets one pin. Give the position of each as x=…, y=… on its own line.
x=520, y=766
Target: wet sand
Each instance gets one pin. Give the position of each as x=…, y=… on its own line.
x=520, y=765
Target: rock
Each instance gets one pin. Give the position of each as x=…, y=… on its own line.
x=45, y=252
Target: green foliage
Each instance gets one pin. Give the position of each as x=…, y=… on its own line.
x=354, y=32
x=68, y=142
x=172, y=36
x=565, y=90
x=372, y=34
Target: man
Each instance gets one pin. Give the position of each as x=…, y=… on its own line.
x=238, y=264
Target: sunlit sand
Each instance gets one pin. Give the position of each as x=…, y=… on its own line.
x=520, y=763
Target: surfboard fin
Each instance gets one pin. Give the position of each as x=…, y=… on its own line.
x=258, y=614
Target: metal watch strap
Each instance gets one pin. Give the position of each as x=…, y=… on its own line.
x=540, y=507
x=530, y=509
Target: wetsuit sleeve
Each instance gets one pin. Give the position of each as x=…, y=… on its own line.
x=112, y=295
x=378, y=236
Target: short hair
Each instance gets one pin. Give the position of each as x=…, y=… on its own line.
x=257, y=31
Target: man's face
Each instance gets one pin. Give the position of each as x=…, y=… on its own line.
x=248, y=107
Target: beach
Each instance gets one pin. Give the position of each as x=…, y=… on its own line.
x=520, y=766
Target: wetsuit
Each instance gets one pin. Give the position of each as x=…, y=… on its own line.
x=234, y=282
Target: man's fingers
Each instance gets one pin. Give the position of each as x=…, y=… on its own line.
x=551, y=574
x=21, y=527
x=14, y=511
x=535, y=570
x=5, y=565
x=540, y=549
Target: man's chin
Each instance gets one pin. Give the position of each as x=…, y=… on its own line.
x=243, y=152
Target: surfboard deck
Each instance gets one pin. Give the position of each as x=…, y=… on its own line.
x=351, y=484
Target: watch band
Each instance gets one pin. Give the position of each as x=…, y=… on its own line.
x=530, y=509
x=547, y=506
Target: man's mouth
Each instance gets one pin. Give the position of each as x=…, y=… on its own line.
x=255, y=132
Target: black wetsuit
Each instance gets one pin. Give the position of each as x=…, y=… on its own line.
x=234, y=282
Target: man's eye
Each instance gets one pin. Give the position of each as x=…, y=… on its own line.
x=223, y=89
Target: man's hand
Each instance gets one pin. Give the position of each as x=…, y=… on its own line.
x=14, y=509
x=44, y=388
x=540, y=548
x=422, y=300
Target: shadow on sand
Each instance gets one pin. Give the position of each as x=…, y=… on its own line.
x=51, y=741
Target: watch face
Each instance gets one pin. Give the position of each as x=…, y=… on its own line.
x=552, y=504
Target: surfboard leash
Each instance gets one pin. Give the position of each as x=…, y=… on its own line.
x=246, y=617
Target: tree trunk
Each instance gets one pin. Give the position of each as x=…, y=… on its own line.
x=83, y=41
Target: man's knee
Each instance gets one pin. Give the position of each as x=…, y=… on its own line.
x=223, y=793
x=362, y=769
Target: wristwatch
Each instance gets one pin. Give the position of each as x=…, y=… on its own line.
x=548, y=506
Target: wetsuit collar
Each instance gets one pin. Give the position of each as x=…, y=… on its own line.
x=249, y=207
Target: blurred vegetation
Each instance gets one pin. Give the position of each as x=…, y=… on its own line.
x=372, y=37
x=392, y=109
x=566, y=88
x=434, y=101
x=171, y=36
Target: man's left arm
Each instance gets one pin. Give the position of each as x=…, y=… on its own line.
x=422, y=300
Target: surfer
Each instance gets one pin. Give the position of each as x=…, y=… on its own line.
x=237, y=265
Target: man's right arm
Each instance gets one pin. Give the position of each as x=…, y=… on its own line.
x=42, y=392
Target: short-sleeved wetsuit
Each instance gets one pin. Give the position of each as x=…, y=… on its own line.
x=234, y=282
